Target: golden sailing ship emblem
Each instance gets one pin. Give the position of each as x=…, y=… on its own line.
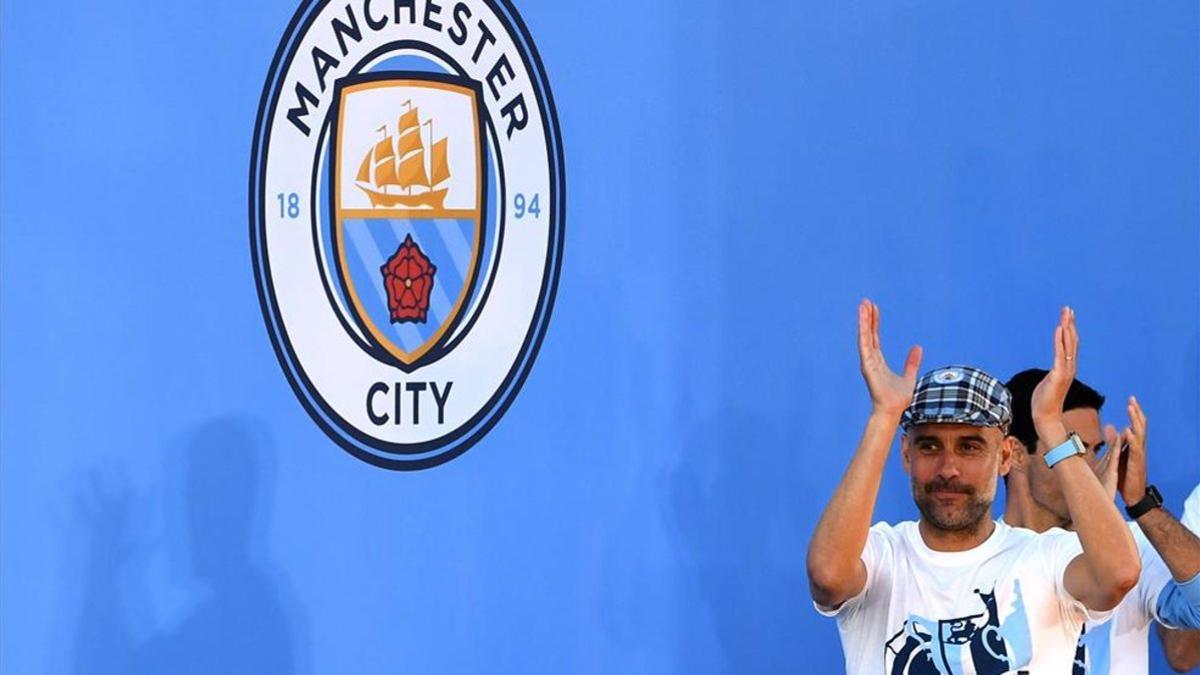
x=400, y=161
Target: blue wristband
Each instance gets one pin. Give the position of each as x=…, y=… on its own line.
x=1069, y=448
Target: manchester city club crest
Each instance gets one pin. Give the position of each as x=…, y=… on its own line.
x=406, y=217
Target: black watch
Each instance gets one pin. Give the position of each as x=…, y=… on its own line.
x=1152, y=500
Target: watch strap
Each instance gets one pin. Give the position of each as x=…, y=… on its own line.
x=1152, y=500
x=1068, y=448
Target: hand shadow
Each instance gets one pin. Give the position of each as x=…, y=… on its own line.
x=243, y=622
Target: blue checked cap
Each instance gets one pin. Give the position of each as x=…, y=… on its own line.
x=959, y=395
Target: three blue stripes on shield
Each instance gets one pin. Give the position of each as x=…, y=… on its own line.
x=369, y=242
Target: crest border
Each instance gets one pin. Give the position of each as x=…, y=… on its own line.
x=435, y=347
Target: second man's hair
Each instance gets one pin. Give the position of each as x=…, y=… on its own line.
x=1022, y=385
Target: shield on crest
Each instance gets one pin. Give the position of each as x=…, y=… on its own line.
x=408, y=190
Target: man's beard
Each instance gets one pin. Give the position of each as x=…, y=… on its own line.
x=966, y=517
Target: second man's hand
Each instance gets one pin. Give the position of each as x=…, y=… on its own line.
x=1131, y=479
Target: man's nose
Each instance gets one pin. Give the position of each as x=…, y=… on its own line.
x=948, y=467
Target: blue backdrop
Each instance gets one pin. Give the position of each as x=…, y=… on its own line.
x=738, y=176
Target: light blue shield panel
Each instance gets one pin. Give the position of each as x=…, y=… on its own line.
x=368, y=243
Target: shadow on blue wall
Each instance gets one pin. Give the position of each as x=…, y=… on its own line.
x=732, y=506
x=240, y=617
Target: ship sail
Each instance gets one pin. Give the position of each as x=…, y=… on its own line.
x=385, y=174
x=439, y=169
x=383, y=149
x=400, y=160
x=364, y=169
x=385, y=163
x=412, y=171
x=408, y=120
x=411, y=166
x=408, y=142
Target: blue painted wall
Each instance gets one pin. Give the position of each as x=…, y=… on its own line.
x=739, y=175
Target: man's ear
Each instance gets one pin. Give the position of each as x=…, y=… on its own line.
x=1018, y=456
x=1010, y=450
x=904, y=452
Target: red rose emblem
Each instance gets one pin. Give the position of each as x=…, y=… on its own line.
x=408, y=279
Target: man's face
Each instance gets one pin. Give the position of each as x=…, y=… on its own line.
x=1043, y=484
x=953, y=468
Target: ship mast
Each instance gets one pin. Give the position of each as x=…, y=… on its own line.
x=429, y=123
x=410, y=154
x=382, y=130
x=407, y=188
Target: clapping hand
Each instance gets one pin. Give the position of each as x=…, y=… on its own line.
x=890, y=393
x=1132, y=473
x=1046, y=405
x=1108, y=468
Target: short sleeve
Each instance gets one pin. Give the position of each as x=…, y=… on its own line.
x=1060, y=548
x=878, y=550
x=1154, y=578
x=1178, y=605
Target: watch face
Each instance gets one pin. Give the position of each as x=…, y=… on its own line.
x=1153, y=493
x=1069, y=448
x=1149, y=502
x=1080, y=448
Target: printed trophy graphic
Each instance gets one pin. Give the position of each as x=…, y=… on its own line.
x=408, y=192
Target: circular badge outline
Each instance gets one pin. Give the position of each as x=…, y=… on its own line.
x=461, y=439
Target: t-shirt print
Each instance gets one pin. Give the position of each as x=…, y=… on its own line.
x=980, y=642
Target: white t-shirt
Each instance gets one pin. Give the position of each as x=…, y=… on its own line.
x=1191, y=511
x=1120, y=645
x=999, y=607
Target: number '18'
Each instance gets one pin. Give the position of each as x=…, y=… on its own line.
x=290, y=208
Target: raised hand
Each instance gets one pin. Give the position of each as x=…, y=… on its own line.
x=890, y=393
x=1132, y=481
x=1046, y=405
x=1108, y=468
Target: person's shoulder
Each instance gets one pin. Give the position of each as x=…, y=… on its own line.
x=1055, y=543
x=891, y=536
x=1015, y=531
x=1010, y=537
x=1024, y=538
x=1191, y=510
x=1057, y=532
x=893, y=530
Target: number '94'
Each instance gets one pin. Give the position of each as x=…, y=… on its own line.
x=522, y=207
